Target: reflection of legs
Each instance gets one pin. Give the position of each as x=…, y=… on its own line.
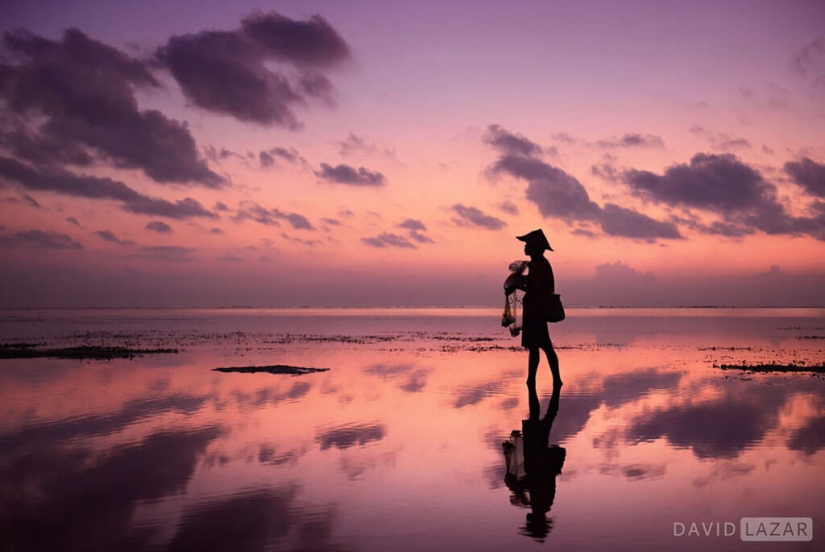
x=553, y=360
x=533, y=400
x=532, y=395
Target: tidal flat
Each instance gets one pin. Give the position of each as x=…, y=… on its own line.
x=400, y=443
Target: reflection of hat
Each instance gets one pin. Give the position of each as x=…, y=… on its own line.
x=536, y=237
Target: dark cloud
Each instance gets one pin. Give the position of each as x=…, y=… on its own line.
x=553, y=191
x=633, y=140
x=92, y=187
x=809, y=174
x=267, y=158
x=313, y=43
x=108, y=236
x=724, y=185
x=715, y=182
x=220, y=206
x=331, y=221
x=560, y=195
x=618, y=221
x=231, y=72
x=386, y=239
x=345, y=174
x=356, y=144
x=417, y=236
x=41, y=239
x=412, y=224
x=249, y=210
x=416, y=229
x=159, y=227
x=216, y=230
x=349, y=435
x=72, y=220
x=472, y=216
x=508, y=143
x=73, y=101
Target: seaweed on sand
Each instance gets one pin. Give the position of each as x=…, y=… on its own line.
x=773, y=367
x=84, y=352
x=274, y=369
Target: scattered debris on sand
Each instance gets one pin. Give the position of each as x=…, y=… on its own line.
x=772, y=367
x=84, y=352
x=274, y=369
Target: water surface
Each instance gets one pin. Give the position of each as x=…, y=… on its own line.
x=399, y=446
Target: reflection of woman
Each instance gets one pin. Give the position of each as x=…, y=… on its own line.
x=532, y=466
x=538, y=286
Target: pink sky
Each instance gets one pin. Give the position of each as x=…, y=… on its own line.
x=343, y=154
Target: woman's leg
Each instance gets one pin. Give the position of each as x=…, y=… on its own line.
x=553, y=360
x=532, y=366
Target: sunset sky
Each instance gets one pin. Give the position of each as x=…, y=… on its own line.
x=193, y=153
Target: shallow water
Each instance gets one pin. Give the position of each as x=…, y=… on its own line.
x=399, y=445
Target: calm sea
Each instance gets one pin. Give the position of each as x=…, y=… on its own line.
x=417, y=437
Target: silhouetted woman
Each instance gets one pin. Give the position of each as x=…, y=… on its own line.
x=538, y=286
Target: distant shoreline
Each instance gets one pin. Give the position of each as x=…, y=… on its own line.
x=406, y=308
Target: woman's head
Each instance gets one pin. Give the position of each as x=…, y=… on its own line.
x=535, y=243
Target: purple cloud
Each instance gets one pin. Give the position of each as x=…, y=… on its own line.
x=91, y=187
x=345, y=174
x=230, y=72
x=508, y=143
x=270, y=217
x=725, y=186
x=558, y=194
x=108, y=236
x=388, y=240
x=159, y=227
x=72, y=102
x=472, y=216
x=416, y=229
x=808, y=174
x=42, y=240
x=633, y=140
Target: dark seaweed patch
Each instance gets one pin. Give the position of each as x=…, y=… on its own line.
x=274, y=369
